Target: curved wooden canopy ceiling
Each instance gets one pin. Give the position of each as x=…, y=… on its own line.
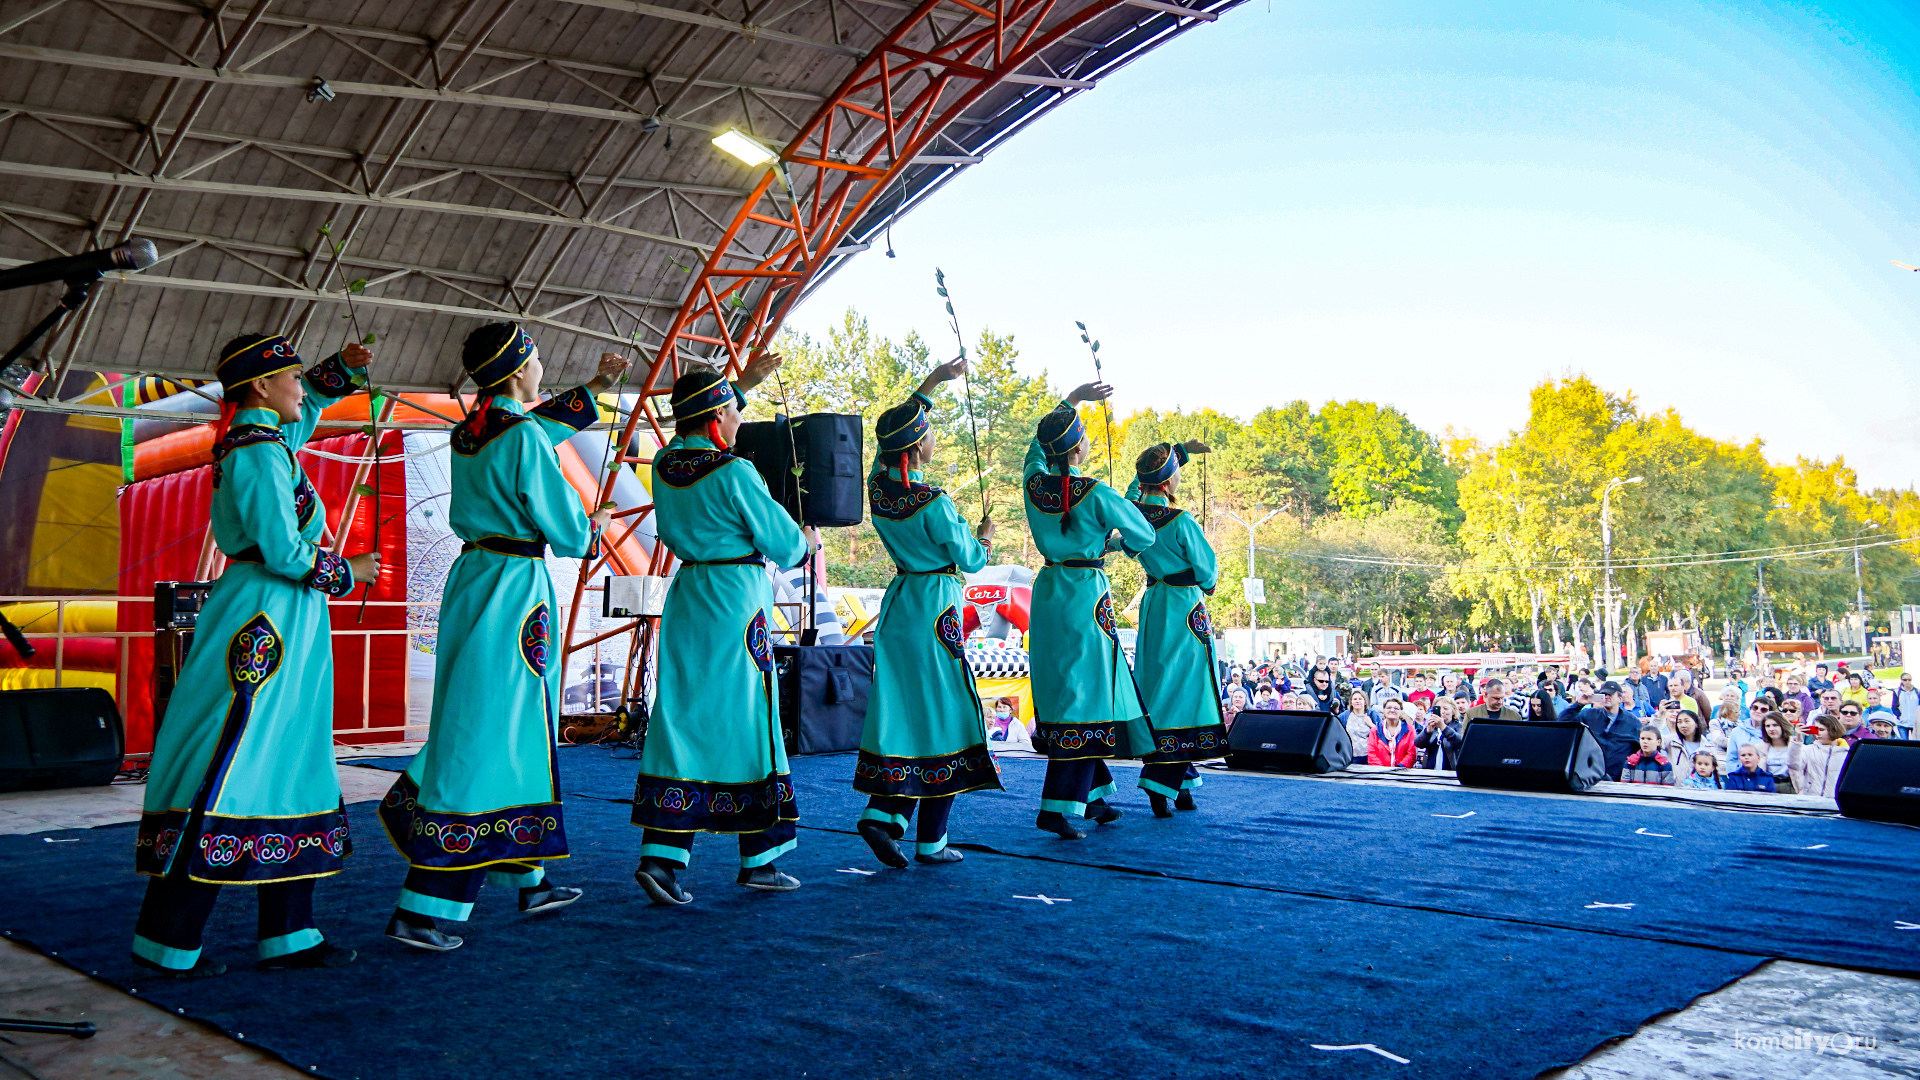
x=538, y=160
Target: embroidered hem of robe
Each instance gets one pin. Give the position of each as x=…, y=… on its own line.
x=434, y=840
x=935, y=777
x=246, y=851
x=676, y=805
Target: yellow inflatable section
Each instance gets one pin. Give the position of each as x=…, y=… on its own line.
x=82, y=617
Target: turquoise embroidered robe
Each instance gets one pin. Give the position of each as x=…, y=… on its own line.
x=1084, y=699
x=1173, y=654
x=485, y=789
x=714, y=760
x=244, y=755
x=925, y=736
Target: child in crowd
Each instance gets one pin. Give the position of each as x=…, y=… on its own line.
x=1750, y=776
x=1779, y=751
x=1684, y=739
x=1706, y=772
x=1818, y=770
x=1648, y=765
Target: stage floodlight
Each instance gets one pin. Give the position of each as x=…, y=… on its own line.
x=748, y=149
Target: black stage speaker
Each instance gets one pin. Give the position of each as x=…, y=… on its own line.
x=1881, y=781
x=832, y=490
x=1530, y=755
x=823, y=695
x=176, y=608
x=67, y=737
x=1288, y=740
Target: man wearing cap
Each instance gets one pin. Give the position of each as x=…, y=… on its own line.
x=1086, y=705
x=242, y=789
x=1614, y=727
x=925, y=739
x=480, y=804
x=714, y=759
x=1173, y=658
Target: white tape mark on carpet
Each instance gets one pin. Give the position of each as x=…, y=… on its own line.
x=1364, y=1046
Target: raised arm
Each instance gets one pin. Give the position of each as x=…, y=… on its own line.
x=566, y=414
x=338, y=376
x=260, y=477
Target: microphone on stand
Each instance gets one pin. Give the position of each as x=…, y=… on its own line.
x=136, y=254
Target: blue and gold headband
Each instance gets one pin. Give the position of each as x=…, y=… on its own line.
x=698, y=393
x=254, y=356
x=1176, y=457
x=902, y=427
x=1061, y=431
x=495, y=352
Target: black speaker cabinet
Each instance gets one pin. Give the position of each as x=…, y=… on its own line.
x=1881, y=781
x=68, y=737
x=176, y=608
x=1530, y=755
x=832, y=488
x=823, y=695
x=1288, y=740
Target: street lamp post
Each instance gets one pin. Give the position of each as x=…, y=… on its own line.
x=1253, y=610
x=1612, y=632
x=1859, y=583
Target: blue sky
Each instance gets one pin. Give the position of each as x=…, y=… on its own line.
x=1437, y=205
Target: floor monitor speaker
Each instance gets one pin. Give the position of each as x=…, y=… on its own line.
x=1881, y=781
x=1530, y=755
x=1288, y=740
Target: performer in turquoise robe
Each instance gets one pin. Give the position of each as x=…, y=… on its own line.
x=1173, y=656
x=481, y=802
x=925, y=739
x=714, y=760
x=242, y=789
x=1085, y=703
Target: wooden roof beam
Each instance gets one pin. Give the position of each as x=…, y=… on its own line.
x=341, y=153
x=235, y=77
x=240, y=288
x=261, y=191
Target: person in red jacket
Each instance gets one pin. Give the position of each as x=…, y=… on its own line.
x=1391, y=740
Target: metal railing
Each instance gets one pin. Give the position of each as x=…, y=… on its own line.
x=59, y=634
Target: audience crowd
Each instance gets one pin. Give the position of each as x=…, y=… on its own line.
x=1785, y=731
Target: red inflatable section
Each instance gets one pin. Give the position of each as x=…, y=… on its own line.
x=163, y=522
x=1010, y=602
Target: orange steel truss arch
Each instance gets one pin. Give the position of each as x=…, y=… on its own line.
x=841, y=161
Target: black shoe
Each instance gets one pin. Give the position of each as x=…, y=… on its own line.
x=656, y=877
x=767, y=878
x=944, y=855
x=202, y=968
x=1100, y=813
x=324, y=955
x=1185, y=801
x=1159, y=803
x=884, y=848
x=419, y=931
x=1055, y=822
x=545, y=897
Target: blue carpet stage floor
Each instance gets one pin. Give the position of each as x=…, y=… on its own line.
x=1470, y=933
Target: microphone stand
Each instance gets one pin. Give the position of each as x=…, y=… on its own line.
x=77, y=290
